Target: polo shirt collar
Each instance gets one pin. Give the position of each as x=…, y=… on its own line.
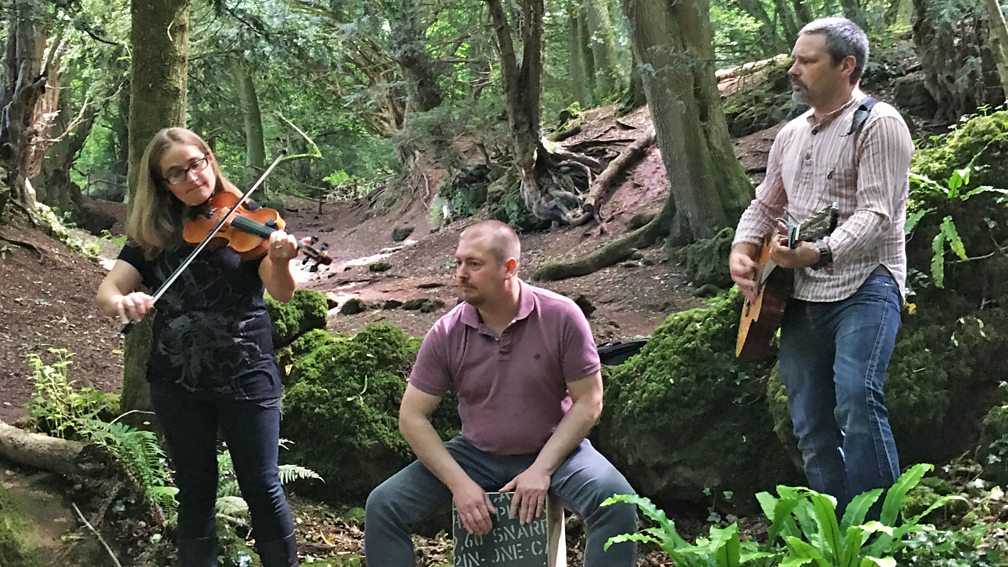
x=526, y=304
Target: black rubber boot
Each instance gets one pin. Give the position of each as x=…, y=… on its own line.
x=279, y=553
x=200, y=552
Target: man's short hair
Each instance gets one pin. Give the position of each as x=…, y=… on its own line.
x=502, y=240
x=843, y=39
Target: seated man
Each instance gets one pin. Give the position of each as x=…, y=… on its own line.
x=529, y=383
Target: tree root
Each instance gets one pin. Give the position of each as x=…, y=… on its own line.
x=616, y=251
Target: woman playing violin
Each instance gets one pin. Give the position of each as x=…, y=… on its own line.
x=211, y=364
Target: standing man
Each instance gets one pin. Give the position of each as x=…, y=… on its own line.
x=528, y=377
x=840, y=324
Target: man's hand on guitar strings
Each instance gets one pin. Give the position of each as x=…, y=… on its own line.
x=742, y=266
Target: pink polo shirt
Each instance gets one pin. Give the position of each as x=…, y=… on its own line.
x=512, y=389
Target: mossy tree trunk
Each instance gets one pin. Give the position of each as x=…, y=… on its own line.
x=160, y=42
x=608, y=74
x=580, y=62
x=255, y=147
x=409, y=50
x=999, y=40
x=951, y=41
x=853, y=11
x=707, y=183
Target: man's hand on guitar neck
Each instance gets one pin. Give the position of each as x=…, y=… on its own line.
x=742, y=266
x=803, y=255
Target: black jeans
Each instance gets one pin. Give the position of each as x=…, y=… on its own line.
x=252, y=432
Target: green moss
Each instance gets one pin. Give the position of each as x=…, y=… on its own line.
x=341, y=409
x=466, y=190
x=13, y=526
x=981, y=137
x=763, y=101
x=306, y=310
x=684, y=415
x=706, y=260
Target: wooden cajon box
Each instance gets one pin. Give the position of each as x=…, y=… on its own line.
x=540, y=543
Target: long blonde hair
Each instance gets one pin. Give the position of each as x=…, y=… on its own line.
x=156, y=216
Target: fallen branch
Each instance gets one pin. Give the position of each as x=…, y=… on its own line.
x=101, y=540
x=43, y=452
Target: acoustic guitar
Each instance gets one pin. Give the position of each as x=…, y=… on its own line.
x=762, y=316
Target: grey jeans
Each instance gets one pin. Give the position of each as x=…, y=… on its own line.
x=581, y=484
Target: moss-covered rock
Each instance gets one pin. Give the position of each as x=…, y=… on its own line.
x=707, y=260
x=306, y=310
x=763, y=100
x=942, y=379
x=684, y=415
x=984, y=138
x=341, y=409
x=14, y=549
x=992, y=449
x=466, y=189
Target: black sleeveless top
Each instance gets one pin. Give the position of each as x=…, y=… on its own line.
x=212, y=334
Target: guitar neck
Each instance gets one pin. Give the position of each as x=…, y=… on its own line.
x=815, y=227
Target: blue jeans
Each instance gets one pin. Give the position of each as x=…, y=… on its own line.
x=581, y=483
x=833, y=360
x=251, y=429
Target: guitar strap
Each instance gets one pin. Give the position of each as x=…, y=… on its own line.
x=861, y=114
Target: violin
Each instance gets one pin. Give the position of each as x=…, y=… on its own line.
x=246, y=231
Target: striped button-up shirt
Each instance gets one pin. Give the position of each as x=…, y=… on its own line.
x=814, y=164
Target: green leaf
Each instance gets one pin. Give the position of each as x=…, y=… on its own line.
x=948, y=228
x=876, y=562
x=896, y=495
x=824, y=507
x=938, y=260
x=804, y=549
x=915, y=218
x=858, y=508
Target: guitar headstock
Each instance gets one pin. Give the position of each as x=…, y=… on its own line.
x=815, y=227
x=312, y=254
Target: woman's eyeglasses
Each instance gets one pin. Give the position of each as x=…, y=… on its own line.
x=177, y=175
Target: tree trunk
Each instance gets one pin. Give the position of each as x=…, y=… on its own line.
x=772, y=41
x=608, y=74
x=852, y=10
x=522, y=88
x=634, y=97
x=999, y=41
x=960, y=72
x=786, y=18
x=255, y=147
x=22, y=88
x=159, y=40
x=803, y=14
x=708, y=185
x=577, y=40
x=409, y=49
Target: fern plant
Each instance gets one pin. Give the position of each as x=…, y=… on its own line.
x=722, y=548
x=57, y=407
x=230, y=506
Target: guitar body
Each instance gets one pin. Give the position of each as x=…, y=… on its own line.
x=762, y=316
